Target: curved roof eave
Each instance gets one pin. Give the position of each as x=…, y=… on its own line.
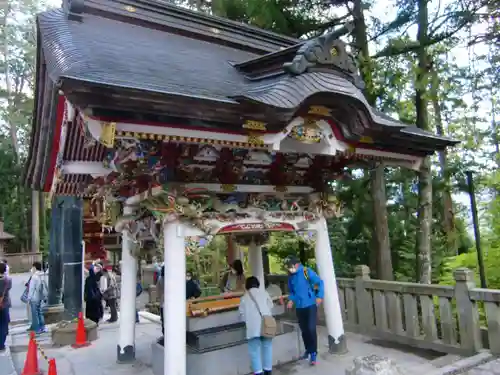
x=289, y=92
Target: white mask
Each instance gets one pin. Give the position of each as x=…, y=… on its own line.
x=292, y=270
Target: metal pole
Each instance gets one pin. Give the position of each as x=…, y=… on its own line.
x=473, y=206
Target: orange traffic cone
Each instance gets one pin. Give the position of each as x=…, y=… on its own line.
x=81, y=335
x=52, y=367
x=31, y=362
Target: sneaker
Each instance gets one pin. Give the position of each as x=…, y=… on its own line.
x=43, y=330
x=304, y=356
x=313, y=359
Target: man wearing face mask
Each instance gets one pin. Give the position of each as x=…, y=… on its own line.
x=305, y=293
x=192, y=288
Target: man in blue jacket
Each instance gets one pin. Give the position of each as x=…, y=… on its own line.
x=305, y=291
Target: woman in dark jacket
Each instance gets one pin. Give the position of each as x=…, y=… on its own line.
x=5, y=286
x=93, y=297
x=192, y=287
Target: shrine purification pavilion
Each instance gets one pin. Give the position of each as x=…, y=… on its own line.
x=189, y=125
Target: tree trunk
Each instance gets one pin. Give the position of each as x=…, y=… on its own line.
x=424, y=233
x=381, y=226
x=448, y=211
x=384, y=259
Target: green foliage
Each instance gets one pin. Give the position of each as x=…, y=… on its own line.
x=17, y=74
x=14, y=218
x=282, y=245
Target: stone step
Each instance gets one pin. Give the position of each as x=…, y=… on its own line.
x=445, y=360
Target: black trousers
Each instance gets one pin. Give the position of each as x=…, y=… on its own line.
x=162, y=321
x=307, y=318
x=112, y=309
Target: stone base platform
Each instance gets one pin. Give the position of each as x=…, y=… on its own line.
x=233, y=359
x=65, y=332
x=53, y=314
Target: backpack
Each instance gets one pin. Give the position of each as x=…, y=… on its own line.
x=44, y=292
x=312, y=287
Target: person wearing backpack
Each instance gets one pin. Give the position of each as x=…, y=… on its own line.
x=37, y=298
x=305, y=292
x=192, y=287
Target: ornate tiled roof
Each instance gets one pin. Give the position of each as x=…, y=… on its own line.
x=153, y=58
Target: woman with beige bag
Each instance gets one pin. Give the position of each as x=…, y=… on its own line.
x=256, y=311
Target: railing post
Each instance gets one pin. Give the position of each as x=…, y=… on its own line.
x=364, y=302
x=468, y=316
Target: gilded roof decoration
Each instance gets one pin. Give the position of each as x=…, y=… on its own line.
x=319, y=110
x=107, y=137
x=254, y=125
x=308, y=132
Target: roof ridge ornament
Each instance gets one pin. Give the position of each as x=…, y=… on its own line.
x=326, y=51
x=73, y=9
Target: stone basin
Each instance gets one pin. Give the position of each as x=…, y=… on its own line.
x=223, y=350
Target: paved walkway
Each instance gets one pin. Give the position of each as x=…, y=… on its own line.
x=489, y=368
x=18, y=309
x=100, y=357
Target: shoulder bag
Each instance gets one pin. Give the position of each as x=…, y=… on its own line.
x=268, y=323
x=24, y=296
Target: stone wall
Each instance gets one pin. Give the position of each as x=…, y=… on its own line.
x=22, y=262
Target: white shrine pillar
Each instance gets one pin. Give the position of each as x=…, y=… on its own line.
x=126, y=338
x=174, y=313
x=256, y=262
x=331, y=304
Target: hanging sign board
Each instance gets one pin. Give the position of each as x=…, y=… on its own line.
x=257, y=227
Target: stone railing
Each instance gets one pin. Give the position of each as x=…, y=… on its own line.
x=439, y=317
